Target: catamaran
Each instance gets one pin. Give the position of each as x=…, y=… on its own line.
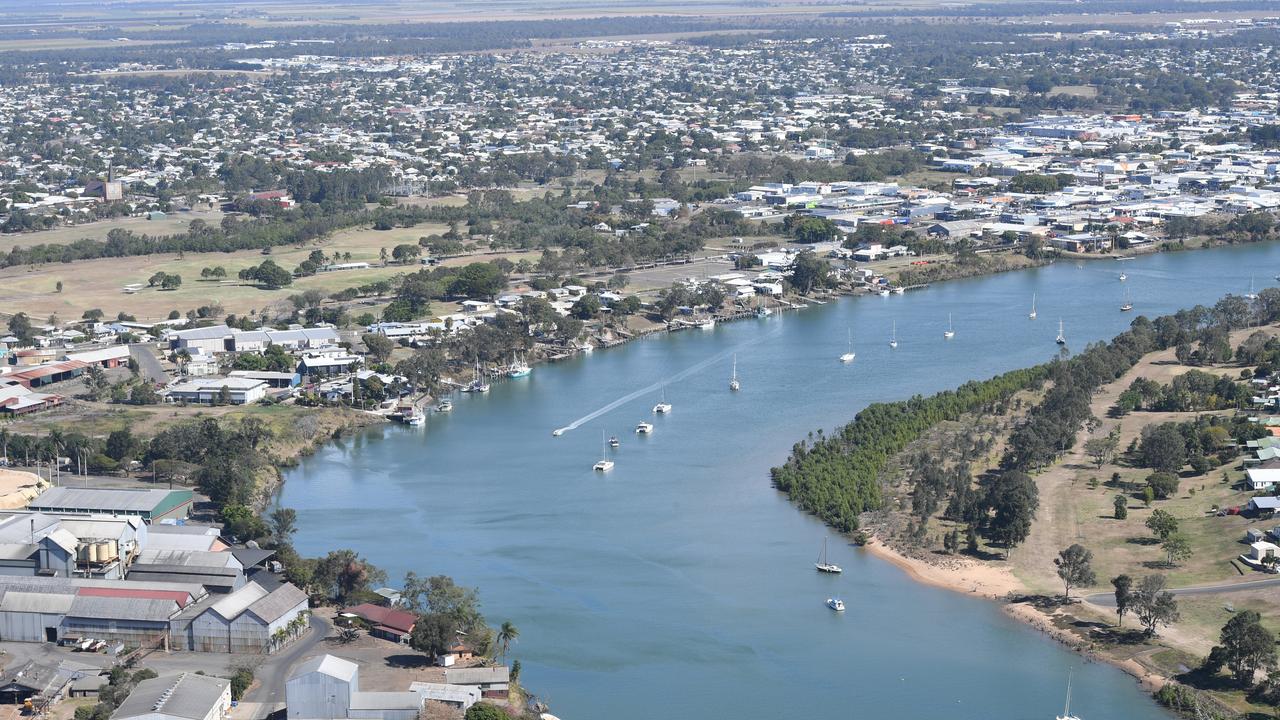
x=950, y=331
x=893, y=335
x=849, y=356
x=823, y=565
x=644, y=428
x=605, y=464
x=663, y=407
x=838, y=605
x=1066, y=711
x=1033, y=307
x=1127, y=306
x=1061, y=339
x=734, y=385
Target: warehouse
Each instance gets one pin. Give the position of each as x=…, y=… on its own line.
x=150, y=505
x=218, y=572
x=211, y=390
x=140, y=621
x=177, y=697
x=47, y=609
x=328, y=688
x=249, y=620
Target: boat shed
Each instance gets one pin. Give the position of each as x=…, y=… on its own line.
x=177, y=697
x=247, y=620
x=150, y=505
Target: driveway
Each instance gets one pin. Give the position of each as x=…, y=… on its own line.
x=148, y=366
x=1109, y=599
x=267, y=694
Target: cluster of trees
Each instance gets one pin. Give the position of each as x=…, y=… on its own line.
x=1194, y=390
x=837, y=477
x=479, y=280
x=1040, y=184
x=1204, y=443
x=268, y=274
x=165, y=280
x=677, y=296
x=1148, y=599
x=810, y=228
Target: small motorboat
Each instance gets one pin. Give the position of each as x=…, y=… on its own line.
x=445, y=406
x=557, y=433
x=835, y=604
x=884, y=292
x=1123, y=277
x=415, y=419
x=899, y=290
x=644, y=428
x=613, y=442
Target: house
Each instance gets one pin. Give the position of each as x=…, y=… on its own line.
x=1263, y=551
x=328, y=688
x=1263, y=505
x=457, y=696
x=187, y=696
x=1260, y=479
x=387, y=623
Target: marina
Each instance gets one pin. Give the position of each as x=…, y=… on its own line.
x=682, y=569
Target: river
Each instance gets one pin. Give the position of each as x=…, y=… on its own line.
x=681, y=584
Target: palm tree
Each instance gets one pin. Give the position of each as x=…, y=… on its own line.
x=507, y=634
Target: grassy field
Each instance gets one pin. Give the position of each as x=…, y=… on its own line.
x=168, y=225
x=1084, y=91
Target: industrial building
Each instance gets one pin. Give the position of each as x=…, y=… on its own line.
x=249, y=620
x=150, y=505
x=62, y=545
x=328, y=688
x=218, y=572
x=210, y=390
x=177, y=697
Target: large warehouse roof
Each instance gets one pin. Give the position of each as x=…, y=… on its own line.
x=181, y=696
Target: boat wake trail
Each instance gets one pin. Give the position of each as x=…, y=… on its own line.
x=718, y=357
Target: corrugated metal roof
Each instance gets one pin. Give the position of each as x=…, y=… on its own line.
x=213, y=332
x=53, y=603
x=278, y=602
x=188, y=559
x=386, y=701
x=237, y=602
x=182, y=696
x=477, y=676
x=178, y=596
x=112, y=608
x=330, y=665
x=121, y=500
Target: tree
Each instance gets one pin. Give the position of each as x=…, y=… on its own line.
x=586, y=307
x=1163, y=447
x=507, y=634
x=1121, y=505
x=171, y=282
x=1101, y=449
x=20, y=327
x=284, y=522
x=1177, y=548
x=809, y=272
x=1124, y=595
x=93, y=314
x=1162, y=524
x=144, y=394
x=434, y=633
x=121, y=445
x=1075, y=568
x=1153, y=604
x=1247, y=646
x=423, y=369
x=343, y=574
x=1164, y=485
x=380, y=346
x=1014, y=498
x=485, y=711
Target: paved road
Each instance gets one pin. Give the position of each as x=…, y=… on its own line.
x=1109, y=599
x=267, y=695
x=148, y=365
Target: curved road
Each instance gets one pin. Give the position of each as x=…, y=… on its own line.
x=267, y=694
x=1109, y=599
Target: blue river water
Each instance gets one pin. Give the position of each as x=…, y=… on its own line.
x=680, y=584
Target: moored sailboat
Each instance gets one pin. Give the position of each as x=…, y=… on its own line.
x=823, y=565
x=849, y=356
x=1033, y=307
x=1061, y=339
x=893, y=335
x=734, y=385
x=605, y=464
x=950, y=331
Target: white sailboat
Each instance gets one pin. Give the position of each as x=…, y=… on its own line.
x=663, y=407
x=893, y=335
x=950, y=331
x=1066, y=711
x=478, y=385
x=1033, y=307
x=1251, y=295
x=605, y=464
x=734, y=385
x=1061, y=339
x=823, y=565
x=1127, y=306
x=849, y=356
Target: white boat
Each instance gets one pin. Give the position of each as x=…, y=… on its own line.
x=1127, y=306
x=762, y=311
x=1251, y=295
x=893, y=336
x=1061, y=339
x=644, y=428
x=557, y=432
x=445, y=405
x=415, y=418
x=734, y=385
x=823, y=565
x=1123, y=277
x=708, y=324
x=835, y=604
x=884, y=292
x=518, y=368
x=849, y=356
x=1033, y=307
x=663, y=407
x=614, y=442
x=1066, y=711
x=899, y=290
x=605, y=464
x=949, y=332
x=477, y=385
